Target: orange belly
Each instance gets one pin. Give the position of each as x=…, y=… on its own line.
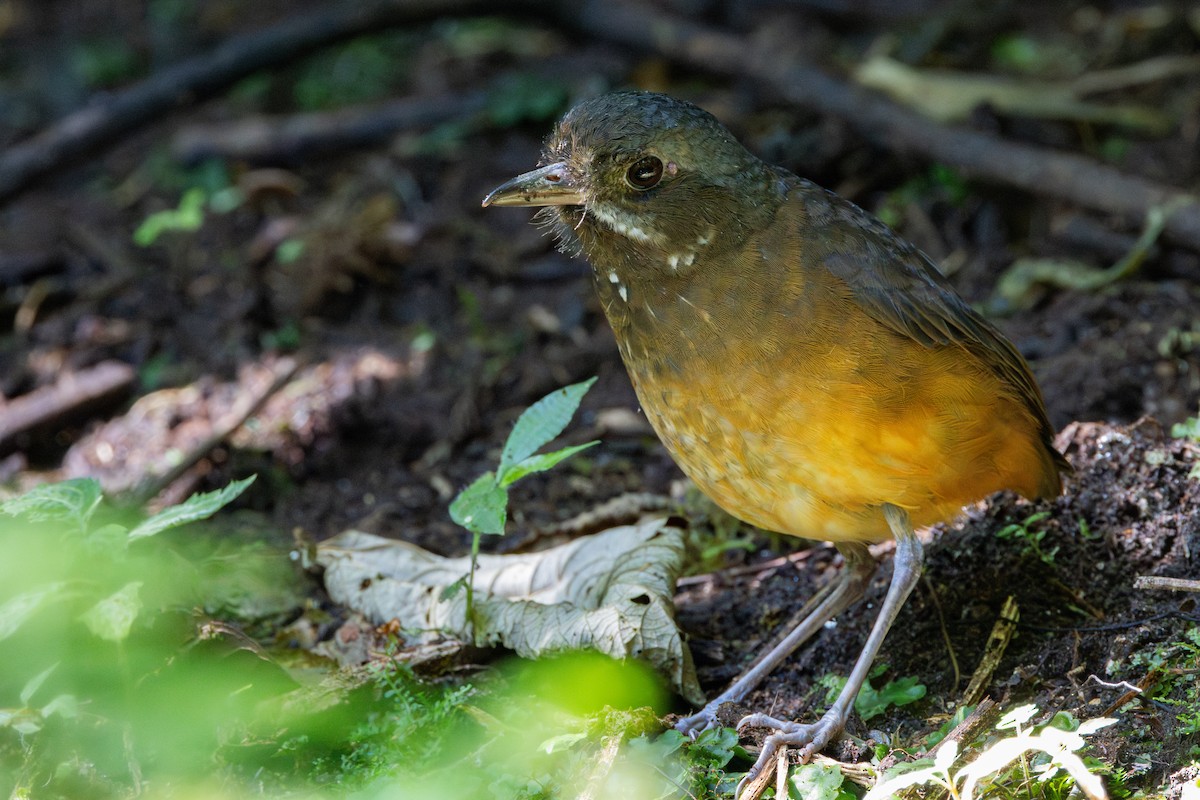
x=813, y=445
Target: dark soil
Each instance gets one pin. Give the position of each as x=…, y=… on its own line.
x=423, y=325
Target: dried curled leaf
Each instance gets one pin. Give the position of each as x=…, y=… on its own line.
x=949, y=96
x=610, y=592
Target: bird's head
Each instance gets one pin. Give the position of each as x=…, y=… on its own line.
x=643, y=179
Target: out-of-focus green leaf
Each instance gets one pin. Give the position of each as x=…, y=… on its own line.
x=194, y=509
x=17, y=610
x=112, y=618
x=72, y=500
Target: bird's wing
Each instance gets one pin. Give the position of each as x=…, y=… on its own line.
x=898, y=286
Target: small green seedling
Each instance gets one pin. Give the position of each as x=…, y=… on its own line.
x=188, y=217
x=1189, y=429
x=1030, y=540
x=872, y=702
x=482, y=507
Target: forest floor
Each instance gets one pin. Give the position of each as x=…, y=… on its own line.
x=394, y=330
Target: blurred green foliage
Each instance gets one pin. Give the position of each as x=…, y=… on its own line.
x=362, y=70
x=105, y=62
x=116, y=681
x=939, y=183
x=102, y=680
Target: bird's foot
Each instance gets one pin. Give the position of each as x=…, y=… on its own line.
x=699, y=722
x=807, y=739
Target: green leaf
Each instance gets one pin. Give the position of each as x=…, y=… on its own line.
x=189, y=216
x=816, y=782
x=564, y=741
x=540, y=463
x=1188, y=429
x=112, y=617
x=452, y=589
x=72, y=500
x=541, y=422
x=482, y=507
x=195, y=508
x=714, y=746
x=64, y=705
x=35, y=683
x=872, y=702
x=17, y=610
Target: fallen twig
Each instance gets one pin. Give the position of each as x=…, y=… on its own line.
x=1038, y=170
x=997, y=643
x=291, y=138
x=71, y=395
x=1159, y=582
x=101, y=123
x=222, y=429
x=983, y=717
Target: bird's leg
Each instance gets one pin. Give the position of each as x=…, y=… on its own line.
x=822, y=607
x=906, y=569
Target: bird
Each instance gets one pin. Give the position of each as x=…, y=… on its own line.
x=812, y=372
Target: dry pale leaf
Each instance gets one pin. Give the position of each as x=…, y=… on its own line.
x=610, y=592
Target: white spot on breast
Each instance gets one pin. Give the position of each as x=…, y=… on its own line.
x=621, y=290
x=687, y=257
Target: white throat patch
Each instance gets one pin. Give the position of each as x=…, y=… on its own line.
x=625, y=224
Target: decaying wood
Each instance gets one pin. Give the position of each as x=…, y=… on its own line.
x=983, y=718
x=68, y=397
x=222, y=430
x=1001, y=635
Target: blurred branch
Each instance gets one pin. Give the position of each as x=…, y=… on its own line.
x=104, y=121
x=1038, y=170
x=154, y=485
x=291, y=138
x=69, y=397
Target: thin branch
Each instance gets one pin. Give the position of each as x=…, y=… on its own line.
x=294, y=137
x=68, y=397
x=1038, y=170
x=103, y=122
x=222, y=429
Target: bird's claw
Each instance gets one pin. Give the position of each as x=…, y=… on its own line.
x=807, y=739
x=697, y=723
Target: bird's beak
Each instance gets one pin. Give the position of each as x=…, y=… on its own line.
x=552, y=185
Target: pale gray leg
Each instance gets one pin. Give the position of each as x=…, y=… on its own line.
x=906, y=569
x=824, y=606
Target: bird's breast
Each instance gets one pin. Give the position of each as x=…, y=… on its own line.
x=796, y=412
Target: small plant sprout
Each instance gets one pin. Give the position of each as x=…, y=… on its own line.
x=482, y=507
x=1031, y=540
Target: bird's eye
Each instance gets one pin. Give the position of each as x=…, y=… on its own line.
x=645, y=173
